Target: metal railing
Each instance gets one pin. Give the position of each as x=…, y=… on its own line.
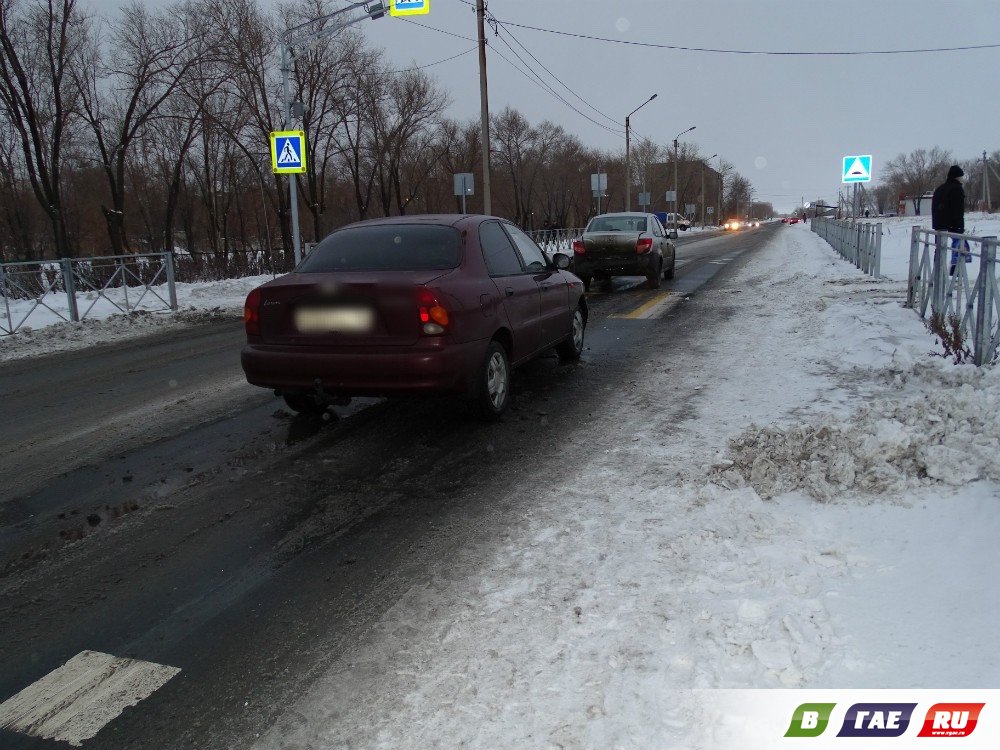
x=556, y=240
x=939, y=281
x=71, y=288
x=860, y=243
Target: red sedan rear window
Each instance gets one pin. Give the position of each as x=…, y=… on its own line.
x=386, y=247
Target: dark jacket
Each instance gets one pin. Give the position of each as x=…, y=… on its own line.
x=948, y=207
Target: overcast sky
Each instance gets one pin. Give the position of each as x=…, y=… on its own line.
x=784, y=121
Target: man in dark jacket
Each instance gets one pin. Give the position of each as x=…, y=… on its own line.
x=948, y=213
x=948, y=204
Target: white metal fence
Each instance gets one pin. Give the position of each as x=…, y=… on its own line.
x=70, y=289
x=860, y=243
x=940, y=285
x=556, y=240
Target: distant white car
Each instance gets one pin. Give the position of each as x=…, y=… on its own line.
x=683, y=223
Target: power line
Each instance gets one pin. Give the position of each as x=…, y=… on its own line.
x=559, y=80
x=779, y=53
x=531, y=76
x=430, y=65
x=440, y=31
x=546, y=87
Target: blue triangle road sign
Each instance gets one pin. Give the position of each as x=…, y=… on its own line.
x=857, y=169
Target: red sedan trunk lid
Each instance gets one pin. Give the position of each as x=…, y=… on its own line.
x=346, y=308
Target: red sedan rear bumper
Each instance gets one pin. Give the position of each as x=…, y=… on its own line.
x=434, y=366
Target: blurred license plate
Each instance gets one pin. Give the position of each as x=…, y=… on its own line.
x=334, y=319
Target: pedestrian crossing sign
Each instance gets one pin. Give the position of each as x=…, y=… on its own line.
x=288, y=151
x=857, y=169
x=409, y=7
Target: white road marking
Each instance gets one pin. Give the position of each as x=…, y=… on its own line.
x=74, y=702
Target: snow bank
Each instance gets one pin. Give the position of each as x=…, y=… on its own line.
x=197, y=303
x=896, y=233
x=944, y=429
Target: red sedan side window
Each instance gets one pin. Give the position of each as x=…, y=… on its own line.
x=534, y=259
x=500, y=256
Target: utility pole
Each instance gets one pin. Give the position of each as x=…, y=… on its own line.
x=485, y=107
x=722, y=184
x=986, y=181
x=628, y=164
x=703, y=165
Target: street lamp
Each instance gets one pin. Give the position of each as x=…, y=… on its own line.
x=722, y=181
x=373, y=9
x=677, y=192
x=628, y=153
x=703, y=165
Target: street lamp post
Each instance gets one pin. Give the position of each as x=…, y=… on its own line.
x=703, y=165
x=628, y=153
x=722, y=181
x=677, y=192
x=372, y=9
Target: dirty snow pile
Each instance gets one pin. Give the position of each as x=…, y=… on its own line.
x=679, y=546
x=946, y=429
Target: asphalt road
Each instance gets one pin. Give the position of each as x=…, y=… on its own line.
x=156, y=507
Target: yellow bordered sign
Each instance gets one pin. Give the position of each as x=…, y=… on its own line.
x=409, y=7
x=288, y=151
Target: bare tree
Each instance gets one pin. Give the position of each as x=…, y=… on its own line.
x=356, y=110
x=737, y=197
x=122, y=86
x=405, y=124
x=39, y=42
x=915, y=174
x=461, y=146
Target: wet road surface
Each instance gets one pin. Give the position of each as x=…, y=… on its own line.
x=249, y=547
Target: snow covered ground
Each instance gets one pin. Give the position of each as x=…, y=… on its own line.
x=44, y=331
x=819, y=510
x=896, y=238
x=823, y=515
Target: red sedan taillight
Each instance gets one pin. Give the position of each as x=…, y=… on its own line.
x=433, y=315
x=579, y=248
x=251, y=313
x=644, y=245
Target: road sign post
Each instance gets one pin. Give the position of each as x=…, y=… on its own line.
x=464, y=185
x=598, y=186
x=288, y=156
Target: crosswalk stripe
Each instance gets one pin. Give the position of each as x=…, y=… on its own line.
x=75, y=701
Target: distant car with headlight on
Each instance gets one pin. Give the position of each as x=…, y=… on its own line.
x=412, y=305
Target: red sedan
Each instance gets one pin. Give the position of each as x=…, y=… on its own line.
x=412, y=305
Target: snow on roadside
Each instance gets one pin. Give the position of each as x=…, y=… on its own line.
x=197, y=304
x=896, y=233
x=715, y=566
